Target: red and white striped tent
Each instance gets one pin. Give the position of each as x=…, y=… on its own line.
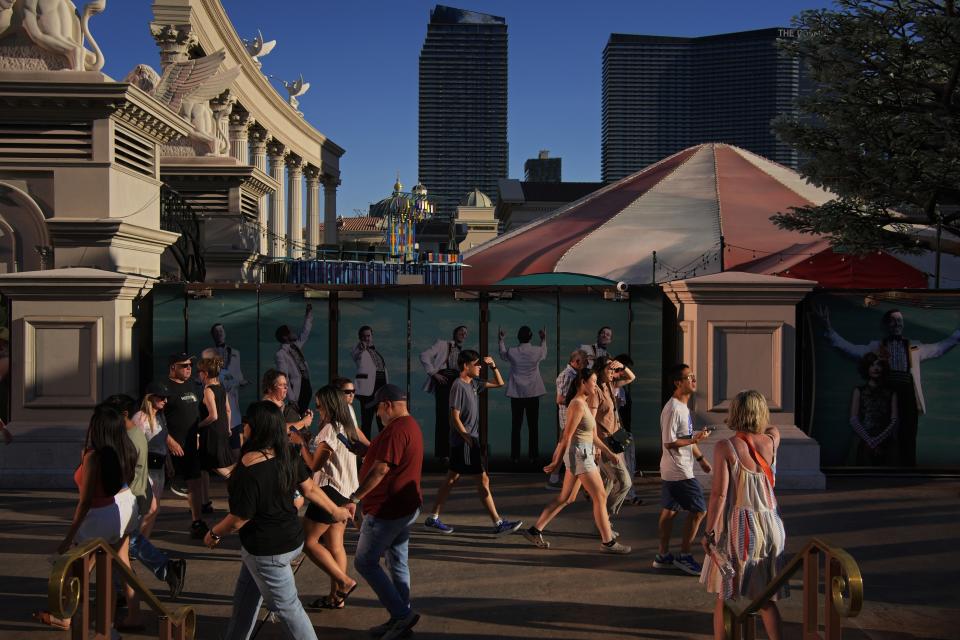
x=680, y=208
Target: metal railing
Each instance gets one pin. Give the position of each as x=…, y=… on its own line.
x=68, y=594
x=842, y=591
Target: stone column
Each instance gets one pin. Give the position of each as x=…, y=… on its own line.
x=277, y=242
x=295, y=205
x=312, y=175
x=239, y=137
x=258, y=149
x=739, y=332
x=330, y=235
x=174, y=40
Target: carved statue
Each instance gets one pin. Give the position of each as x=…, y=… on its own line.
x=187, y=88
x=296, y=89
x=55, y=26
x=257, y=48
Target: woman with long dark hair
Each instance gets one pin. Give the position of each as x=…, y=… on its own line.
x=106, y=507
x=261, y=491
x=335, y=471
x=578, y=447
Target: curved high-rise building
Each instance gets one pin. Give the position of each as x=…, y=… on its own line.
x=463, y=105
x=663, y=94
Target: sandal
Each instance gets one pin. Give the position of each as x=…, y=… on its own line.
x=45, y=617
x=326, y=602
x=343, y=595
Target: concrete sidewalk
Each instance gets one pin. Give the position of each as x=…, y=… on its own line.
x=471, y=585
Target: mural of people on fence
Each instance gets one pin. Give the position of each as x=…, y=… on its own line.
x=440, y=364
x=885, y=412
x=371, y=375
x=290, y=360
x=231, y=376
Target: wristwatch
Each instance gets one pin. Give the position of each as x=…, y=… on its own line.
x=353, y=498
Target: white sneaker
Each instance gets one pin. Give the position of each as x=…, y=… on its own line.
x=616, y=547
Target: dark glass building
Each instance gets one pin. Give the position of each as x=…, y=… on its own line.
x=463, y=105
x=543, y=168
x=663, y=94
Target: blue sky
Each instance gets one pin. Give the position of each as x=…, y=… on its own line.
x=361, y=58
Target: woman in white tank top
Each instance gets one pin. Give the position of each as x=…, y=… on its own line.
x=578, y=447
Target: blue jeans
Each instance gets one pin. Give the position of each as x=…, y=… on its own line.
x=268, y=579
x=149, y=556
x=390, y=538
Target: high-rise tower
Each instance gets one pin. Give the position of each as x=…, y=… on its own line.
x=663, y=94
x=463, y=105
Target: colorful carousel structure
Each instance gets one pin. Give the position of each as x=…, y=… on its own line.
x=402, y=214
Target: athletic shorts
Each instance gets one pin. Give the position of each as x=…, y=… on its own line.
x=466, y=460
x=317, y=514
x=580, y=459
x=682, y=494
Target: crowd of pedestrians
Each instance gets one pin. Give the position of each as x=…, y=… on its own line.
x=294, y=489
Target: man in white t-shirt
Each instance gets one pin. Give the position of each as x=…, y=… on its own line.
x=679, y=489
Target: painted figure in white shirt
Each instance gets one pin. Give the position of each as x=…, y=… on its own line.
x=291, y=360
x=599, y=348
x=903, y=357
x=440, y=364
x=524, y=387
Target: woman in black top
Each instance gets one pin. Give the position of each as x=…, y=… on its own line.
x=261, y=507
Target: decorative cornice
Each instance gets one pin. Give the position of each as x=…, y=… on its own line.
x=246, y=176
x=78, y=283
x=108, y=232
x=738, y=288
x=54, y=101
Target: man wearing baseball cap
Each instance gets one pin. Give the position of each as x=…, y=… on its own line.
x=183, y=415
x=391, y=495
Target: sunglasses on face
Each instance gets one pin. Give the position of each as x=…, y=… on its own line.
x=348, y=392
x=184, y=366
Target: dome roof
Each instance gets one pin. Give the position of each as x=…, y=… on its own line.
x=476, y=198
x=684, y=207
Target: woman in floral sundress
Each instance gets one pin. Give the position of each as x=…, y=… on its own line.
x=745, y=539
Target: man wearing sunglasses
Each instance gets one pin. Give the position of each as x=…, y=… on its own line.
x=183, y=415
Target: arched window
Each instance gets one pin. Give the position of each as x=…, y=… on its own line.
x=23, y=232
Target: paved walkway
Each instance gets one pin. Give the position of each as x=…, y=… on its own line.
x=470, y=585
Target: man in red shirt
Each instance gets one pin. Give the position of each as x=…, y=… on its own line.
x=390, y=491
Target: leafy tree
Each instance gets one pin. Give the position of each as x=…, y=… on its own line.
x=881, y=125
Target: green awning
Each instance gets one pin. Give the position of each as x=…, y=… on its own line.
x=556, y=278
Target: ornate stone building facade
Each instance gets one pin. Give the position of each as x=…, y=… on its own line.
x=89, y=168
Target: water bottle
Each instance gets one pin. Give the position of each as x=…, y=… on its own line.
x=724, y=566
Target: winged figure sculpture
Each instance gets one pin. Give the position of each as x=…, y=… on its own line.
x=187, y=88
x=296, y=89
x=257, y=48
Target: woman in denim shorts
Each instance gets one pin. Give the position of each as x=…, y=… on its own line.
x=578, y=447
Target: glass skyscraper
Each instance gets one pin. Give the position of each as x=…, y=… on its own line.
x=663, y=94
x=463, y=105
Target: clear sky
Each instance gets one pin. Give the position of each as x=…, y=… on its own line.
x=361, y=59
